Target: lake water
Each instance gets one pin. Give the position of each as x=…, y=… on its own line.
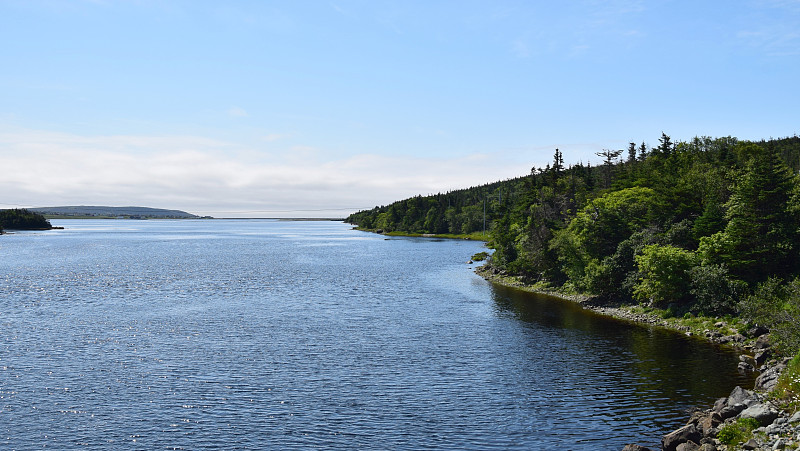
x=258, y=334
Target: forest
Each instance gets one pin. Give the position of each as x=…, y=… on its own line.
x=22, y=219
x=708, y=227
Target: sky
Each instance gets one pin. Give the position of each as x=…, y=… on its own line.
x=305, y=108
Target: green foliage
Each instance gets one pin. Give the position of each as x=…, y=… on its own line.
x=584, y=227
x=737, y=432
x=787, y=390
x=480, y=256
x=21, y=219
x=664, y=274
x=715, y=292
x=776, y=305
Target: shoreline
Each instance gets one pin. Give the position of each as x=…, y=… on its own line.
x=704, y=424
x=715, y=330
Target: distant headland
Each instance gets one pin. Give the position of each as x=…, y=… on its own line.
x=89, y=211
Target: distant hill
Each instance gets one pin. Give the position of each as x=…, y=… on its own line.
x=113, y=212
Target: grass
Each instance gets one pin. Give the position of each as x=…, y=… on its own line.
x=738, y=432
x=474, y=236
x=787, y=391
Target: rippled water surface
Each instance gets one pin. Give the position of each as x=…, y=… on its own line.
x=256, y=334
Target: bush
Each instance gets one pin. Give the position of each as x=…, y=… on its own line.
x=776, y=305
x=788, y=386
x=714, y=291
x=738, y=432
x=664, y=274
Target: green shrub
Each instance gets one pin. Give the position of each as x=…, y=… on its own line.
x=715, y=292
x=787, y=389
x=664, y=274
x=776, y=305
x=738, y=432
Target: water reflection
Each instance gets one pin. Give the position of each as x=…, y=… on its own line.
x=649, y=374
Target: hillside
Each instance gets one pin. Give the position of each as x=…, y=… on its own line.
x=113, y=212
x=709, y=226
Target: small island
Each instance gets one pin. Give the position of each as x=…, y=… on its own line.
x=22, y=219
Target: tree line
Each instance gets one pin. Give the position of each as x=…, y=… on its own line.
x=22, y=219
x=707, y=226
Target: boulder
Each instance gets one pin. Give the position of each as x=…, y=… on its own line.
x=757, y=331
x=762, y=413
x=709, y=422
x=635, y=447
x=739, y=396
x=795, y=418
x=750, y=444
x=720, y=404
x=767, y=380
x=685, y=434
x=688, y=446
x=731, y=411
x=762, y=356
x=762, y=342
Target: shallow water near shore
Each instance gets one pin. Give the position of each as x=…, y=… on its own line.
x=263, y=334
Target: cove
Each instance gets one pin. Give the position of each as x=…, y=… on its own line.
x=264, y=334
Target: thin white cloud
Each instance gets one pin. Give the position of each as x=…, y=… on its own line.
x=205, y=176
x=237, y=112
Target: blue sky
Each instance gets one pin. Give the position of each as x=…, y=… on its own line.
x=318, y=108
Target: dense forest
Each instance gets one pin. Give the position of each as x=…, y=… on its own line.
x=21, y=219
x=709, y=226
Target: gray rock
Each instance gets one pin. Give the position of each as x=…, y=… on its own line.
x=739, y=396
x=762, y=413
x=780, y=444
x=750, y=444
x=762, y=342
x=720, y=404
x=685, y=434
x=731, y=411
x=747, y=359
x=635, y=447
x=688, y=446
x=795, y=418
x=708, y=447
x=762, y=356
x=767, y=380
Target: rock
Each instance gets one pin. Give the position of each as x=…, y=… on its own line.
x=762, y=413
x=708, y=447
x=720, y=404
x=745, y=367
x=719, y=324
x=685, y=434
x=635, y=447
x=708, y=423
x=780, y=444
x=795, y=418
x=739, y=396
x=744, y=358
x=731, y=411
x=750, y=444
x=688, y=446
x=762, y=356
x=757, y=331
x=767, y=380
x=762, y=342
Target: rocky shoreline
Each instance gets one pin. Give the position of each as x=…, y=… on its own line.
x=775, y=428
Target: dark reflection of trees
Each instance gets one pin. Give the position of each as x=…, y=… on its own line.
x=663, y=364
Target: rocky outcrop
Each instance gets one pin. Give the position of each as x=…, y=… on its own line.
x=777, y=429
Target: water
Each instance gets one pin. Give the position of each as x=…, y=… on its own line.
x=255, y=334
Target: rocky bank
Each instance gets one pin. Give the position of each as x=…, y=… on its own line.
x=777, y=429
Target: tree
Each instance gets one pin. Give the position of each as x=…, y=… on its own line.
x=609, y=157
x=664, y=274
x=760, y=238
